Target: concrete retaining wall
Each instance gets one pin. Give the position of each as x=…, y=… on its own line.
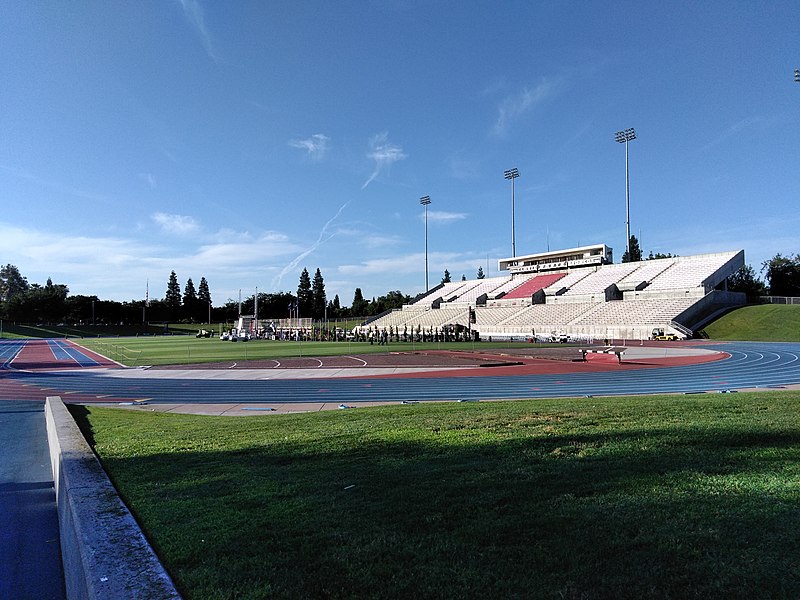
x=104, y=552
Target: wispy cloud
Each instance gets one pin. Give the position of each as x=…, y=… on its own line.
x=735, y=129
x=410, y=263
x=512, y=107
x=315, y=146
x=149, y=178
x=176, y=224
x=196, y=17
x=384, y=153
x=440, y=216
x=54, y=185
x=324, y=236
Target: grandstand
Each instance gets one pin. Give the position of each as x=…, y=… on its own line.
x=579, y=293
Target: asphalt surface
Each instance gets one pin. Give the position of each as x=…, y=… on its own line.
x=30, y=550
x=750, y=365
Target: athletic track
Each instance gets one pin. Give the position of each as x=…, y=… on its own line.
x=90, y=378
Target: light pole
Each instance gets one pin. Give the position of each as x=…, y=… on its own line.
x=797, y=75
x=512, y=174
x=625, y=136
x=425, y=201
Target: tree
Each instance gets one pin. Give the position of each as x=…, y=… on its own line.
x=783, y=273
x=190, y=301
x=204, y=296
x=335, y=308
x=636, y=252
x=393, y=299
x=658, y=255
x=172, y=299
x=11, y=283
x=360, y=306
x=318, y=299
x=745, y=281
x=446, y=278
x=304, y=294
x=481, y=274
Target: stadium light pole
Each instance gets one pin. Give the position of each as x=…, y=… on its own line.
x=512, y=174
x=425, y=201
x=623, y=137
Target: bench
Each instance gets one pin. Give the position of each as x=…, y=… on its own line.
x=617, y=350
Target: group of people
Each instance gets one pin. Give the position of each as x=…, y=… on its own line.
x=448, y=333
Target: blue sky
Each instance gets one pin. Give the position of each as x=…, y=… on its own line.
x=242, y=141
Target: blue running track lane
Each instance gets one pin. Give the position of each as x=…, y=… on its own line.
x=30, y=551
x=9, y=351
x=751, y=365
x=63, y=351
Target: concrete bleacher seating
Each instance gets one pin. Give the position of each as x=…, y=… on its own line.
x=644, y=273
x=533, y=285
x=485, y=286
x=515, y=281
x=600, y=279
x=690, y=271
x=548, y=314
x=568, y=281
x=626, y=300
x=486, y=316
x=635, y=312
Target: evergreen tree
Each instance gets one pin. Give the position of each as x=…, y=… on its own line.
x=203, y=293
x=481, y=274
x=446, y=278
x=204, y=300
x=172, y=299
x=304, y=294
x=190, y=304
x=359, y=306
x=318, y=299
x=11, y=282
x=658, y=255
x=636, y=252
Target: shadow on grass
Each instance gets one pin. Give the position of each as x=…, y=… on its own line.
x=663, y=512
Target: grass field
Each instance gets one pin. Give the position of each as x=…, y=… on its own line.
x=656, y=497
x=763, y=323
x=188, y=350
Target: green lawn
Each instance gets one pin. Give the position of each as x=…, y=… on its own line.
x=188, y=349
x=763, y=323
x=640, y=497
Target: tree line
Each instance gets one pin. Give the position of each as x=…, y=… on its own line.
x=51, y=303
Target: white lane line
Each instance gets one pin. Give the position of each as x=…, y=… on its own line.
x=361, y=360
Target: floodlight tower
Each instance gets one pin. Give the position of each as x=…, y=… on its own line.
x=512, y=174
x=623, y=137
x=425, y=201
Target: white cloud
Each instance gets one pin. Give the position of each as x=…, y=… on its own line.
x=176, y=224
x=316, y=146
x=440, y=216
x=738, y=127
x=514, y=106
x=196, y=17
x=384, y=153
x=149, y=178
x=118, y=267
